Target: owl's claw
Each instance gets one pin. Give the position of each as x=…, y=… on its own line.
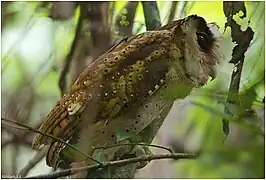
x=136, y=150
x=140, y=150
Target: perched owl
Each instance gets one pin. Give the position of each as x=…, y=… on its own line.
x=124, y=90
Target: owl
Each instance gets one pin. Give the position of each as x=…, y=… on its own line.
x=125, y=89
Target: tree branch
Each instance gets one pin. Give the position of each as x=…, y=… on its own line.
x=32, y=163
x=180, y=9
x=48, y=135
x=63, y=10
x=99, y=30
x=69, y=57
x=172, y=11
x=125, y=18
x=72, y=171
x=22, y=138
x=151, y=14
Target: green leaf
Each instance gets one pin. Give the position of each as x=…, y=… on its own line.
x=243, y=124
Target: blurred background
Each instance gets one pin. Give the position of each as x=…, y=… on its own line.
x=46, y=45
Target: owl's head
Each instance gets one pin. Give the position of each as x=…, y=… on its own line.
x=199, y=44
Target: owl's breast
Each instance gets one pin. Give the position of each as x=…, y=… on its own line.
x=154, y=107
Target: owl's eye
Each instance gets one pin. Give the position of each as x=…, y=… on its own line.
x=203, y=40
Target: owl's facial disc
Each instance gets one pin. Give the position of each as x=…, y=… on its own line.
x=202, y=46
x=215, y=51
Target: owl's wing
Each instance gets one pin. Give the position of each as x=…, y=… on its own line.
x=133, y=72
x=129, y=73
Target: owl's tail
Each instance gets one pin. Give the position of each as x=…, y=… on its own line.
x=52, y=157
x=58, y=124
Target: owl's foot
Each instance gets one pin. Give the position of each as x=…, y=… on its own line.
x=140, y=150
x=133, y=150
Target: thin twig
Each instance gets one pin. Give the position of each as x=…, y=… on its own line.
x=32, y=163
x=50, y=136
x=26, y=141
x=18, y=137
x=72, y=171
x=69, y=57
x=140, y=144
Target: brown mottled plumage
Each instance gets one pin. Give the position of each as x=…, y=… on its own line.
x=123, y=91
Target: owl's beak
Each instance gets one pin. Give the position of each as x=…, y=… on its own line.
x=212, y=71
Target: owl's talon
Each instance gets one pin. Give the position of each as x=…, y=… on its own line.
x=139, y=150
